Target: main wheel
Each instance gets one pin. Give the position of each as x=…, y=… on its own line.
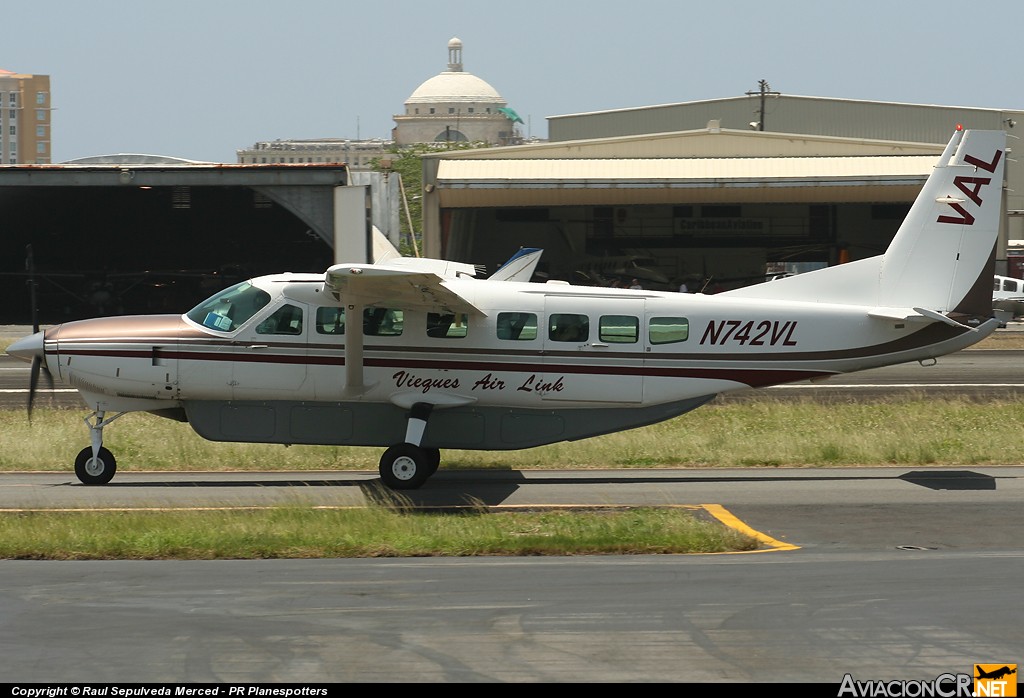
x=433, y=459
x=95, y=471
x=404, y=467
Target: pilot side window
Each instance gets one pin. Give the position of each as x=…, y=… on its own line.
x=383, y=322
x=667, y=330
x=518, y=326
x=447, y=324
x=619, y=329
x=568, y=327
x=330, y=320
x=285, y=320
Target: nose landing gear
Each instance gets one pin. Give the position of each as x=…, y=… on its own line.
x=96, y=465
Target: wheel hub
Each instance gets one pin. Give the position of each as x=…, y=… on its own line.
x=404, y=468
x=95, y=466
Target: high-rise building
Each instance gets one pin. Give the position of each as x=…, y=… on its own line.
x=24, y=118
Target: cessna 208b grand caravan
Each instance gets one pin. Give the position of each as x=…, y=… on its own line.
x=418, y=355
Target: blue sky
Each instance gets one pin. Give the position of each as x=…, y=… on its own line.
x=211, y=76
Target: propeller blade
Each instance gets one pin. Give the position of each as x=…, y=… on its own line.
x=37, y=359
x=32, y=383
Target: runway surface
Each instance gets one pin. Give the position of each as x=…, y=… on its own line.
x=883, y=574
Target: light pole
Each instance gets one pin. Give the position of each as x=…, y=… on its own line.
x=764, y=89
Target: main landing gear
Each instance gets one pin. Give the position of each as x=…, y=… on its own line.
x=406, y=466
x=95, y=465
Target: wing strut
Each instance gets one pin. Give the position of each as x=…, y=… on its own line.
x=354, y=338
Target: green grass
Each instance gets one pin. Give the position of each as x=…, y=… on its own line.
x=909, y=430
x=309, y=532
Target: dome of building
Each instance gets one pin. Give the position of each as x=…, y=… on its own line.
x=455, y=85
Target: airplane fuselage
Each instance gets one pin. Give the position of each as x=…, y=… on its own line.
x=509, y=378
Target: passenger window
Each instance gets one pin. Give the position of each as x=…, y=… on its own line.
x=619, y=329
x=666, y=330
x=1009, y=285
x=447, y=324
x=567, y=327
x=383, y=322
x=285, y=320
x=330, y=320
x=517, y=326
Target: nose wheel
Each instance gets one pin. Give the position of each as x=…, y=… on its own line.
x=95, y=470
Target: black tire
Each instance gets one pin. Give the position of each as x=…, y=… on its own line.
x=98, y=471
x=433, y=459
x=404, y=467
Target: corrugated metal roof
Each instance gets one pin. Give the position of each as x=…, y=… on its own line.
x=562, y=173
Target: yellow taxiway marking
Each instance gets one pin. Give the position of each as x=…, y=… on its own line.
x=726, y=517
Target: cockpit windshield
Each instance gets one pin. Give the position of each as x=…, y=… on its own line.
x=229, y=309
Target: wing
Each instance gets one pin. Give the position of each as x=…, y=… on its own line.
x=384, y=285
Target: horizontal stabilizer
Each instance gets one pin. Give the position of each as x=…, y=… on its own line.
x=899, y=315
x=918, y=315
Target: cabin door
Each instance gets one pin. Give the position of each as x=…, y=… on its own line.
x=593, y=350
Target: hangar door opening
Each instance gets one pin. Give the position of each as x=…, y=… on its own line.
x=708, y=247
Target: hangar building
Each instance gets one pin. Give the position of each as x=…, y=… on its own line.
x=698, y=192
x=125, y=234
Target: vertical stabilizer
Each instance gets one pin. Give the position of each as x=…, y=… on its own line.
x=942, y=258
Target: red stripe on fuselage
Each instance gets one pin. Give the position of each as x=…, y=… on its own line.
x=753, y=377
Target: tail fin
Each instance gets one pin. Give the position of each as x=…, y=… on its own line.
x=941, y=259
x=943, y=256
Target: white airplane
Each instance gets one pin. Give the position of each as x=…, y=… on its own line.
x=1007, y=298
x=438, y=359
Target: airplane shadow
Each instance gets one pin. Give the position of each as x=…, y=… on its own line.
x=950, y=480
x=463, y=489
